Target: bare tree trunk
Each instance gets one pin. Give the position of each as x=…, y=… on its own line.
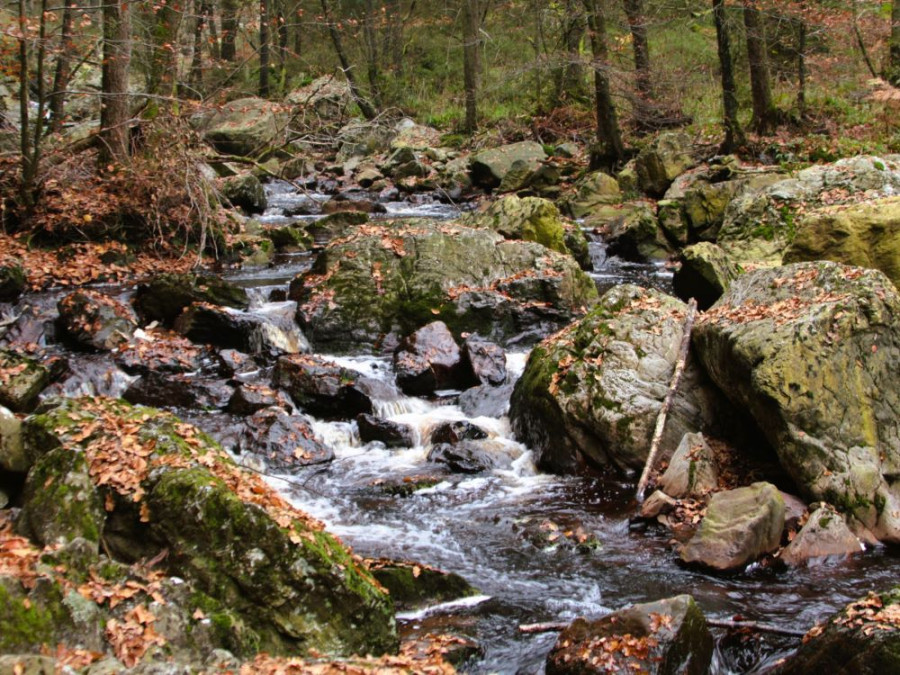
x=365, y=107
x=471, y=19
x=30, y=140
x=114, y=111
x=801, y=68
x=608, y=133
x=765, y=116
x=637, y=23
x=209, y=21
x=229, y=29
x=734, y=135
x=164, y=57
x=63, y=67
x=196, y=75
x=893, y=70
x=263, y=48
x=372, y=51
x=569, y=78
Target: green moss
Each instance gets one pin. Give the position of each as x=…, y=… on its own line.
x=26, y=628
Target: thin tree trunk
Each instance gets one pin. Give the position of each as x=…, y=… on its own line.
x=608, y=133
x=893, y=73
x=263, y=48
x=296, y=21
x=196, y=75
x=860, y=42
x=569, y=77
x=114, y=111
x=63, y=68
x=637, y=24
x=734, y=135
x=209, y=20
x=229, y=30
x=765, y=116
x=801, y=69
x=163, y=59
x=365, y=107
x=471, y=18
x=371, y=51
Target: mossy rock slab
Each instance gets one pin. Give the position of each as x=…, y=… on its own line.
x=592, y=191
x=12, y=281
x=527, y=218
x=489, y=167
x=413, y=585
x=385, y=281
x=668, y=637
x=705, y=273
x=595, y=389
x=165, y=296
x=167, y=486
x=792, y=345
x=247, y=127
x=22, y=379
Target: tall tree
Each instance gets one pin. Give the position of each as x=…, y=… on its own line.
x=230, y=11
x=334, y=31
x=164, y=55
x=893, y=69
x=608, y=132
x=734, y=135
x=471, y=28
x=765, y=115
x=114, y=110
x=63, y=67
x=569, y=77
x=264, y=11
x=640, y=45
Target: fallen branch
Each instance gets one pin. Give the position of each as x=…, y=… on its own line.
x=670, y=397
x=756, y=626
x=549, y=627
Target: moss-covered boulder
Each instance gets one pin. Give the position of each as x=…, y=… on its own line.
x=670, y=155
x=12, y=281
x=489, y=167
x=22, y=379
x=96, y=320
x=692, y=471
x=594, y=190
x=668, y=637
x=385, y=281
x=164, y=485
x=865, y=235
x=631, y=230
x=740, y=525
x=165, y=296
x=413, y=585
x=594, y=390
x=861, y=639
x=248, y=127
x=250, y=332
x=792, y=345
x=759, y=226
x=12, y=449
x=704, y=274
x=245, y=192
x=825, y=534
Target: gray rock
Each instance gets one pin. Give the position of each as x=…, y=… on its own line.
x=95, y=320
x=12, y=450
x=489, y=167
x=246, y=127
x=246, y=192
x=824, y=534
x=692, y=470
x=705, y=274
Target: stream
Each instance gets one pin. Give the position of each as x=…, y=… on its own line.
x=483, y=526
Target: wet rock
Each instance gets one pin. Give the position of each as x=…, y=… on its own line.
x=287, y=441
x=489, y=167
x=245, y=192
x=336, y=225
x=595, y=189
x=231, y=329
x=406, y=486
x=486, y=360
x=863, y=234
x=95, y=320
x=247, y=127
x=705, y=274
x=692, y=470
x=233, y=363
x=12, y=281
x=595, y=389
x=290, y=238
x=162, y=390
x=824, y=534
x=250, y=398
x=631, y=231
x=794, y=511
x=160, y=351
x=794, y=344
x=670, y=155
x=759, y=226
x=454, y=432
x=413, y=585
x=323, y=388
x=391, y=434
x=486, y=400
x=272, y=579
x=12, y=450
x=740, y=525
x=656, y=504
x=568, y=534
x=470, y=456
x=343, y=204
x=861, y=638
x=390, y=280
x=430, y=359
x=165, y=296
x=669, y=637
x=22, y=379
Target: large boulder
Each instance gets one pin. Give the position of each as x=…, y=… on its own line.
x=429, y=359
x=667, y=637
x=96, y=320
x=692, y=471
x=592, y=191
x=824, y=534
x=705, y=273
x=759, y=226
x=865, y=235
x=164, y=296
x=284, y=440
x=489, y=167
x=595, y=389
x=22, y=379
x=670, y=155
x=325, y=98
x=740, y=525
x=248, y=127
x=12, y=281
x=631, y=230
x=861, y=639
x=245, y=192
x=250, y=332
x=164, y=486
x=323, y=388
x=385, y=281
x=793, y=345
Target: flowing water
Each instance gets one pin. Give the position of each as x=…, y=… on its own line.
x=492, y=528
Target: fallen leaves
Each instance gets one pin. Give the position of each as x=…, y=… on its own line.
x=133, y=636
